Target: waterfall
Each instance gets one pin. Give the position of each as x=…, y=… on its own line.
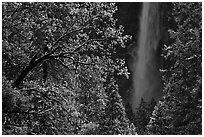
x=146, y=78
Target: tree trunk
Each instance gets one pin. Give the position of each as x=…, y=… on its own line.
x=23, y=74
x=33, y=63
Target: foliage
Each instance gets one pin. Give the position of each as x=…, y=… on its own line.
x=56, y=109
x=56, y=60
x=40, y=110
x=179, y=112
x=59, y=65
x=36, y=42
x=115, y=120
x=142, y=116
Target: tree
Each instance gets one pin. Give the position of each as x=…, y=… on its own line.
x=142, y=116
x=114, y=120
x=180, y=107
x=58, y=34
x=57, y=57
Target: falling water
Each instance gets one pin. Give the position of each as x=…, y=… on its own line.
x=146, y=77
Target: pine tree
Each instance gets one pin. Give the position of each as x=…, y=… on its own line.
x=142, y=116
x=115, y=121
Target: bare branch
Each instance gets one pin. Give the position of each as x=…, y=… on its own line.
x=34, y=58
x=83, y=63
x=65, y=33
x=62, y=55
x=42, y=112
x=59, y=47
x=62, y=63
x=74, y=31
x=91, y=40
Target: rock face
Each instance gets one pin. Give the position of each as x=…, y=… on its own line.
x=128, y=16
x=144, y=23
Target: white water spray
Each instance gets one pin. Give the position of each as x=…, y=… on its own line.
x=146, y=77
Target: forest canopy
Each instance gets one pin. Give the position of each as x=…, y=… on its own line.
x=60, y=63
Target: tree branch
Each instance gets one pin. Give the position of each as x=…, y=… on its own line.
x=91, y=40
x=34, y=61
x=62, y=63
x=65, y=34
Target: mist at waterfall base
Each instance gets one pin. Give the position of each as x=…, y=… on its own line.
x=146, y=78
